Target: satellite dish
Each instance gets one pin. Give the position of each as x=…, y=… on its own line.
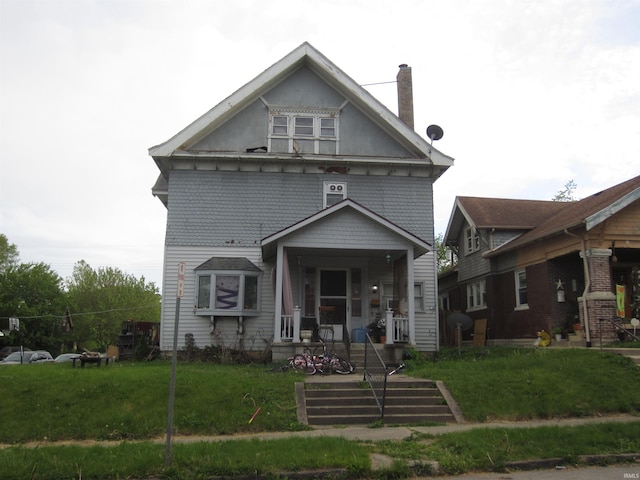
x=461, y=320
x=434, y=132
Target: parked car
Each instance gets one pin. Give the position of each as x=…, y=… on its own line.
x=66, y=357
x=4, y=353
x=28, y=357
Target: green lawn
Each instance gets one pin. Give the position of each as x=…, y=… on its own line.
x=128, y=401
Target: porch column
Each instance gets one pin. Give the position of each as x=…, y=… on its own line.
x=277, y=331
x=600, y=300
x=411, y=301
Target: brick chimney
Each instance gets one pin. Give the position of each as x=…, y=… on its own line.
x=405, y=95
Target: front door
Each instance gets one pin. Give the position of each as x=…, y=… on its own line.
x=333, y=293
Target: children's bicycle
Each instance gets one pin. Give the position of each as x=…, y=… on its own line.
x=324, y=362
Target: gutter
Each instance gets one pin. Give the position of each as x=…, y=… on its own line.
x=587, y=286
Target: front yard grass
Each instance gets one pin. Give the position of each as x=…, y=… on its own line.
x=128, y=401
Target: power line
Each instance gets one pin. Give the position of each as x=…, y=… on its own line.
x=81, y=314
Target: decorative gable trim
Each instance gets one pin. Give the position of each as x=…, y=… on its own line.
x=307, y=55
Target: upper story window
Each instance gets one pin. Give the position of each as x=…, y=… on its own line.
x=228, y=286
x=304, y=125
x=471, y=241
x=279, y=125
x=333, y=192
x=522, y=301
x=303, y=131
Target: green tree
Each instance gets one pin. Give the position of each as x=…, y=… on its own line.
x=34, y=294
x=8, y=253
x=566, y=194
x=101, y=300
x=444, y=257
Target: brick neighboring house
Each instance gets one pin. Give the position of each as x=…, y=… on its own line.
x=300, y=194
x=526, y=265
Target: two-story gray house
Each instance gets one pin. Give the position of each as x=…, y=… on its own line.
x=299, y=202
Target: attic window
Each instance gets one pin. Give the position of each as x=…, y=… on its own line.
x=280, y=125
x=303, y=131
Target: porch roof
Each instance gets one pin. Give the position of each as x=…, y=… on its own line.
x=269, y=243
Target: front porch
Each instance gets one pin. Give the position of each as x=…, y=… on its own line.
x=293, y=338
x=342, y=271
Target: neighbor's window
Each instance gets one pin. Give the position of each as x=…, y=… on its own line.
x=472, y=240
x=522, y=300
x=443, y=301
x=476, y=295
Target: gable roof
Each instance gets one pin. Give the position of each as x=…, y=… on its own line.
x=270, y=242
x=304, y=55
x=588, y=213
x=498, y=213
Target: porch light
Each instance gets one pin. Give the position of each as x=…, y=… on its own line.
x=374, y=288
x=388, y=258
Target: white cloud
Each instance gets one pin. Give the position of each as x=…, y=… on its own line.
x=530, y=95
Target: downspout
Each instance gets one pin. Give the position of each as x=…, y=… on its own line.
x=587, y=286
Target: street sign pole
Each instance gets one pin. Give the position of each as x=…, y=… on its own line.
x=174, y=363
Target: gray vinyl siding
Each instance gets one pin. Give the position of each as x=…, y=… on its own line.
x=426, y=323
x=472, y=265
x=209, y=208
x=260, y=327
x=346, y=230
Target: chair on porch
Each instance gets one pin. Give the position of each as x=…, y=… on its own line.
x=325, y=326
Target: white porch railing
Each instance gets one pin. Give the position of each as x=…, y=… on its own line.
x=291, y=326
x=397, y=328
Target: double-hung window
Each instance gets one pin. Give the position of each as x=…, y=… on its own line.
x=522, y=301
x=303, y=131
x=476, y=295
x=471, y=240
x=228, y=286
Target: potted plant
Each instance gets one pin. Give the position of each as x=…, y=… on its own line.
x=557, y=331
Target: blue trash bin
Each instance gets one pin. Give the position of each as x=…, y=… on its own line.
x=359, y=335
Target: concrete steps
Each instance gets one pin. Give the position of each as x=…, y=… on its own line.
x=339, y=402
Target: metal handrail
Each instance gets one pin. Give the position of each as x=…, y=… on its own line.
x=375, y=374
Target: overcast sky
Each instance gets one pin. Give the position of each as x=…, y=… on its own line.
x=530, y=95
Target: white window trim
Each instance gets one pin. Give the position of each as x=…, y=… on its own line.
x=520, y=306
x=333, y=188
x=477, y=290
x=236, y=312
x=419, y=300
x=317, y=115
x=471, y=236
